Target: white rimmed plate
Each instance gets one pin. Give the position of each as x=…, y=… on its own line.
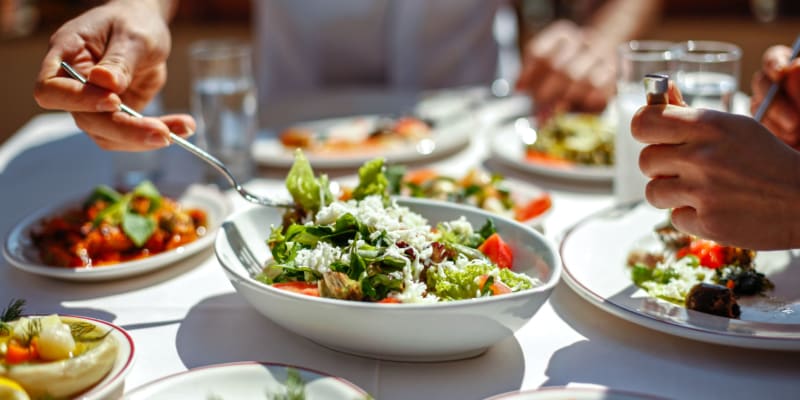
x=576, y=393
x=246, y=380
x=21, y=253
x=594, y=254
x=507, y=147
x=446, y=136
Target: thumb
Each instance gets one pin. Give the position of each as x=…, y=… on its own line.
x=115, y=70
x=675, y=96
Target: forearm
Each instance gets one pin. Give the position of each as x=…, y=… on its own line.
x=165, y=8
x=618, y=21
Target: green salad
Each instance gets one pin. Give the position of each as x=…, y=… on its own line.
x=369, y=248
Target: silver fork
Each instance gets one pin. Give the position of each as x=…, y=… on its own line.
x=200, y=153
x=243, y=253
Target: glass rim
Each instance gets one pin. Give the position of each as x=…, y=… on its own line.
x=708, y=51
x=647, y=50
x=205, y=49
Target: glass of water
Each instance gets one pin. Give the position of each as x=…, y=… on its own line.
x=707, y=73
x=224, y=104
x=636, y=59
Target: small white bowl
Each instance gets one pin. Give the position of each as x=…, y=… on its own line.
x=402, y=332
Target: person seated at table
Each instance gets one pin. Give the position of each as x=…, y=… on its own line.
x=122, y=47
x=727, y=177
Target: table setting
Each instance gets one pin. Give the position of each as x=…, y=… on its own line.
x=199, y=320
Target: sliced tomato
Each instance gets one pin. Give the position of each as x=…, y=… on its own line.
x=390, y=300
x=306, y=288
x=420, y=176
x=497, y=288
x=710, y=253
x=533, y=208
x=538, y=157
x=498, y=251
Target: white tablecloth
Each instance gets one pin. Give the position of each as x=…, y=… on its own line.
x=188, y=315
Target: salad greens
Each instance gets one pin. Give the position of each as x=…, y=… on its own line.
x=138, y=224
x=370, y=249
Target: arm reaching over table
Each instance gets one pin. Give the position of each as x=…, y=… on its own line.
x=571, y=67
x=121, y=47
x=726, y=177
x=783, y=115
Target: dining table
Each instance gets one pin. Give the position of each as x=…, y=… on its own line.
x=188, y=315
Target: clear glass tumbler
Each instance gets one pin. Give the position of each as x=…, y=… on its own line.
x=707, y=73
x=636, y=59
x=224, y=104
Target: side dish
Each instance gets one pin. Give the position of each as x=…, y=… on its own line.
x=111, y=227
x=700, y=274
x=359, y=134
x=369, y=248
x=51, y=356
x=566, y=139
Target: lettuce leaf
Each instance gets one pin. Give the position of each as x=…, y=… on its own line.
x=371, y=180
x=308, y=192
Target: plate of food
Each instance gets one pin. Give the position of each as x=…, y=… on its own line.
x=249, y=380
x=61, y=356
x=491, y=192
x=569, y=146
x=629, y=261
x=348, y=142
x=108, y=235
x=399, y=276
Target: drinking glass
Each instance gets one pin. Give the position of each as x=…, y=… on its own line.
x=131, y=168
x=224, y=104
x=636, y=59
x=707, y=73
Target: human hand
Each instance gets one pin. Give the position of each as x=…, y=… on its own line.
x=121, y=47
x=783, y=115
x=564, y=68
x=725, y=176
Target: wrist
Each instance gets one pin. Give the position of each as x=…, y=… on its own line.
x=164, y=8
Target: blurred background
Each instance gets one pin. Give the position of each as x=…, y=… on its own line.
x=25, y=27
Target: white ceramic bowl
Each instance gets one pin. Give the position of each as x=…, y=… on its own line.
x=403, y=332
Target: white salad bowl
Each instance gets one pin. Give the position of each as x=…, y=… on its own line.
x=402, y=332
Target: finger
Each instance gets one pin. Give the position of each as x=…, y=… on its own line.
x=661, y=160
x=180, y=124
x=774, y=60
x=686, y=220
x=55, y=91
x=783, y=115
x=674, y=94
x=119, y=131
x=115, y=70
x=786, y=137
x=669, y=124
x=665, y=193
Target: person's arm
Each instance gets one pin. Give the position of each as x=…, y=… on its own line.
x=783, y=115
x=725, y=176
x=121, y=47
x=572, y=67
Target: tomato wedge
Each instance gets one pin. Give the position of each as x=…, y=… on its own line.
x=420, y=176
x=710, y=253
x=390, y=300
x=533, y=208
x=497, y=288
x=498, y=251
x=306, y=288
x=538, y=157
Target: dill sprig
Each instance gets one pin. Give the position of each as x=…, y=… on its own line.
x=86, y=332
x=13, y=311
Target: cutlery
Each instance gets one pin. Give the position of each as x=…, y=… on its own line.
x=197, y=151
x=243, y=253
x=773, y=90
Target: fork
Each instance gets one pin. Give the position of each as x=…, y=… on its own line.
x=197, y=151
x=239, y=247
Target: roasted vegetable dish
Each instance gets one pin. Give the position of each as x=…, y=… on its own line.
x=700, y=274
x=111, y=227
x=360, y=134
x=566, y=139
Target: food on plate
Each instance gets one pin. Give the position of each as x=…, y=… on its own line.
x=356, y=134
x=567, y=139
x=477, y=188
x=369, y=248
x=52, y=356
x=111, y=227
x=700, y=274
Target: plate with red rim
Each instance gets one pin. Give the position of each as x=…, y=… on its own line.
x=22, y=254
x=248, y=380
x=507, y=146
x=445, y=137
x=594, y=254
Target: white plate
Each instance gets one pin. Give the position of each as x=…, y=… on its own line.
x=507, y=147
x=21, y=253
x=563, y=393
x=245, y=380
x=446, y=137
x=594, y=254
